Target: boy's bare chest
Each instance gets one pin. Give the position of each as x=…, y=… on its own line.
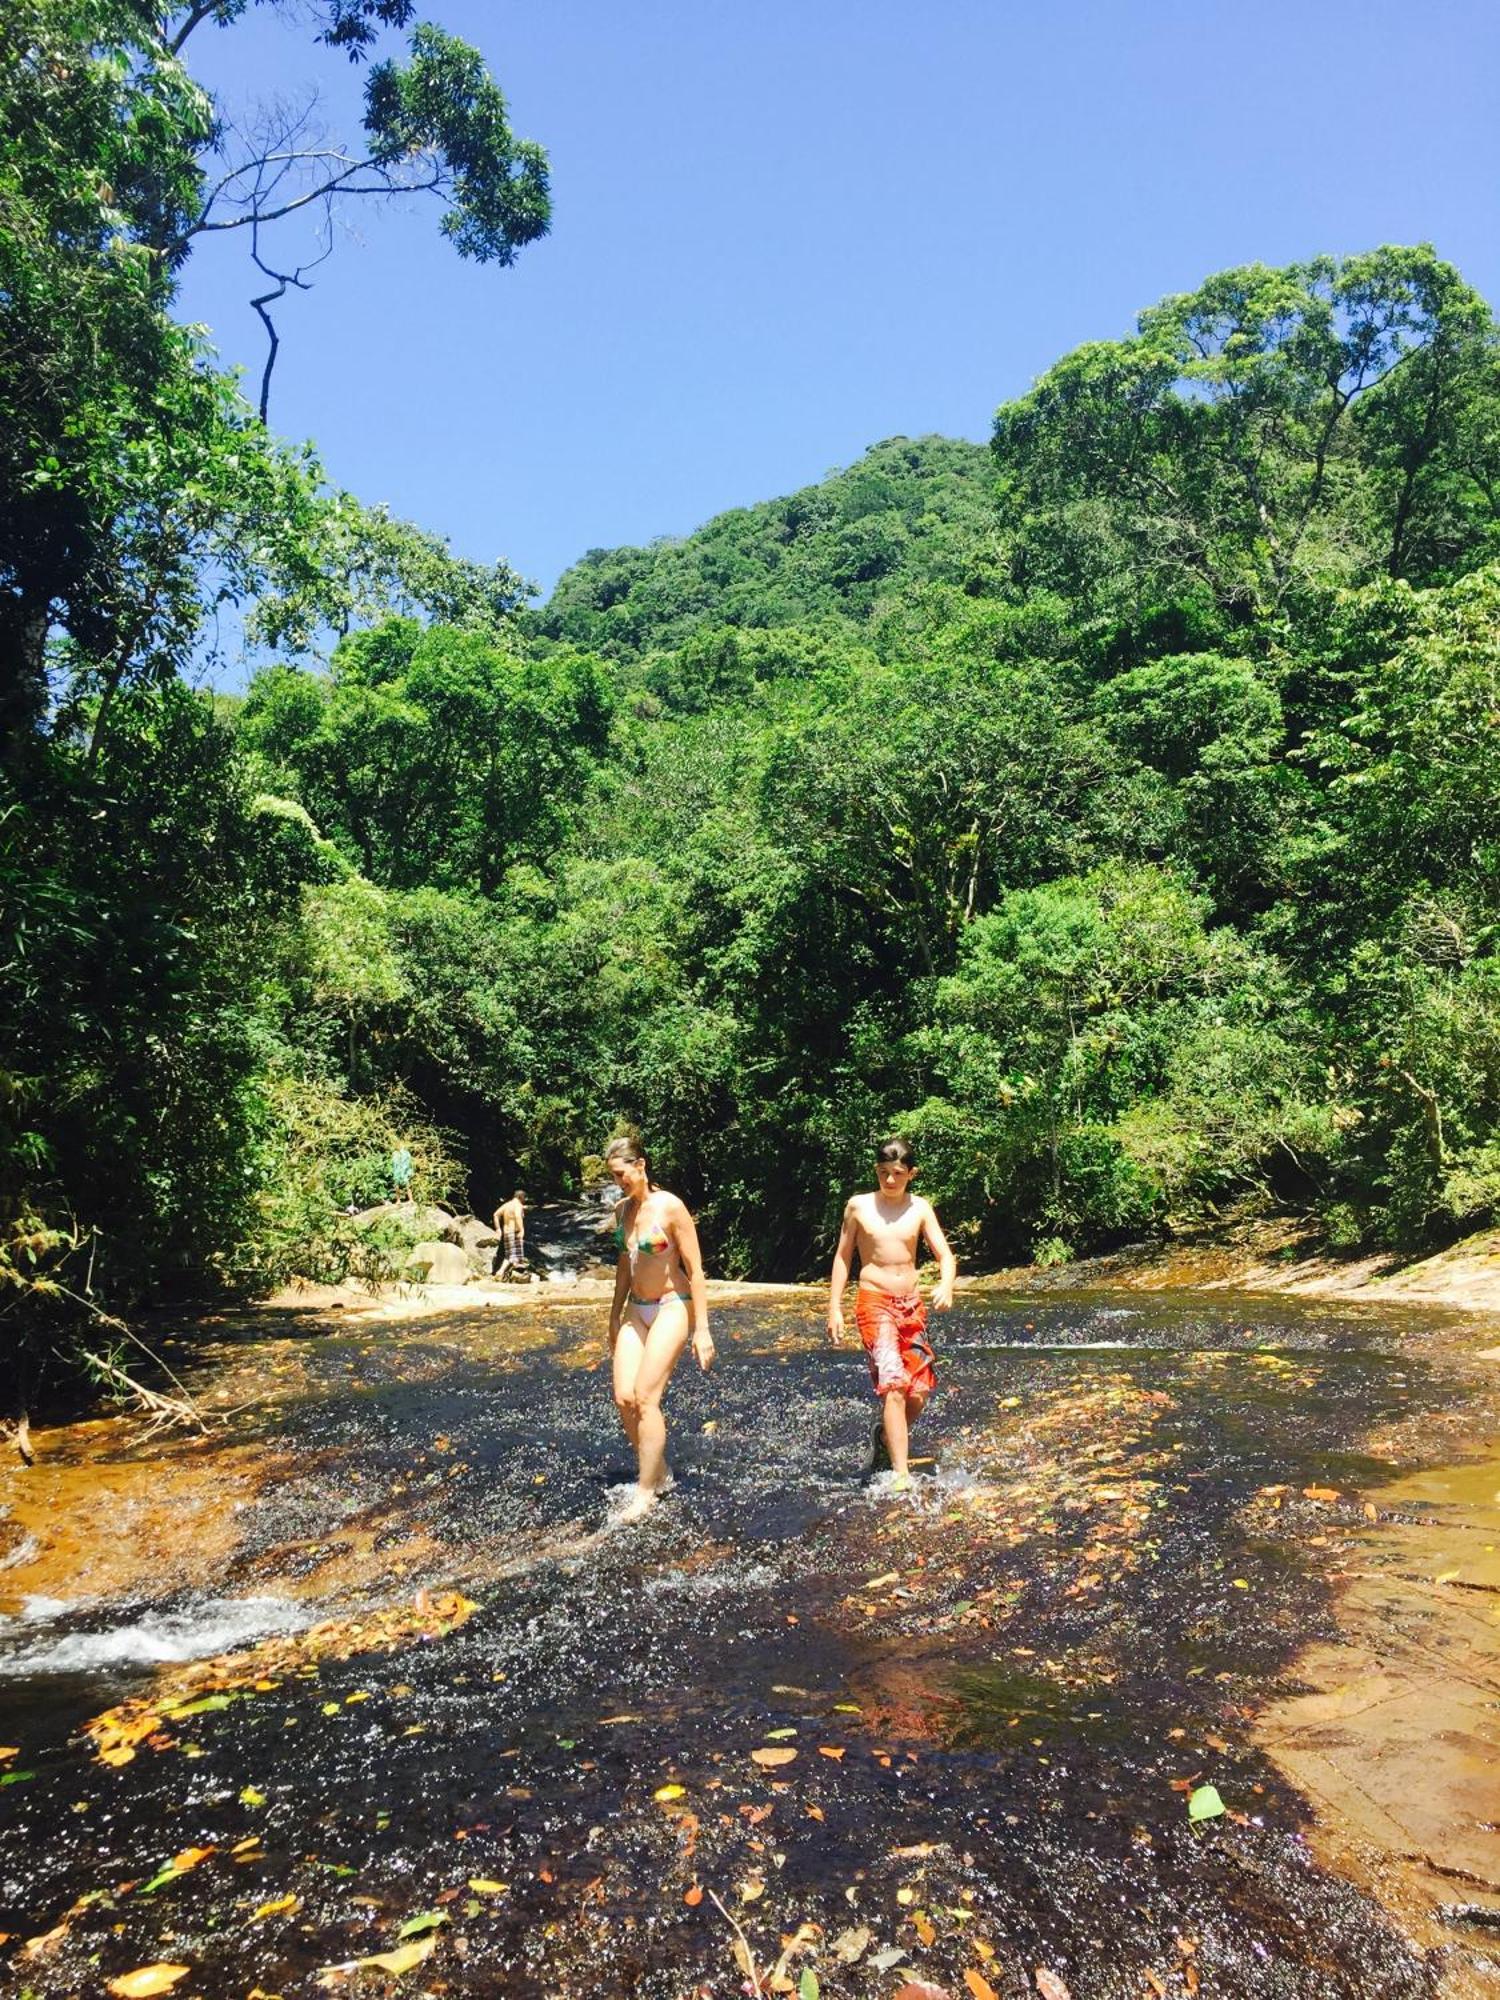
x=888, y=1237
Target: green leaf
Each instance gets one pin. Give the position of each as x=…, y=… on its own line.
x=430, y=1920
x=201, y=1707
x=251, y=1797
x=776, y=1735
x=807, y=1985
x=16, y=1777
x=1205, y=1803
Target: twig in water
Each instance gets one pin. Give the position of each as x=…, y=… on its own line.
x=745, y=1955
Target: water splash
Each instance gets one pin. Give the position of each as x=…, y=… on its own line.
x=53, y=1636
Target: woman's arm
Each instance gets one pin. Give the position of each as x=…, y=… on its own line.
x=690, y=1256
x=622, y=1283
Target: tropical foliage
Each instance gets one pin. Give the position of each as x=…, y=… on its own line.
x=1116, y=808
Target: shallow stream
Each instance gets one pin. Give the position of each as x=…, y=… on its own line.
x=988, y=1703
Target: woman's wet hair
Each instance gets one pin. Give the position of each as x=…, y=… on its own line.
x=897, y=1150
x=632, y=1151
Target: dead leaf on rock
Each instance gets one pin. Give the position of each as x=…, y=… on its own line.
x=850, y=1945
x=146, y=1980
x=402, y=1959
x=283, y=1906
x=39, y=1946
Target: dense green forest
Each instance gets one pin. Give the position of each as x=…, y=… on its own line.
x=1111, y=808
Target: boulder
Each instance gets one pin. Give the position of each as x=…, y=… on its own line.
x=446, y=1264
x=478, y=1240
x=426, y=1221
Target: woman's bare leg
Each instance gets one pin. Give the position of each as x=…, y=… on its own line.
x=628, y=1350
x=667, y=1337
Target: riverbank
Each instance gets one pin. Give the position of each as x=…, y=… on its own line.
x=1277, y=1254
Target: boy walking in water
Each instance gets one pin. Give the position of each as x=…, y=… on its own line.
x=884, y=1228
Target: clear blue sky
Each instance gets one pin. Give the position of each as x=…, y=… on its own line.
x=785, y=231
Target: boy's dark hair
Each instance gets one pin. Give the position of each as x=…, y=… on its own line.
x=898, y=1150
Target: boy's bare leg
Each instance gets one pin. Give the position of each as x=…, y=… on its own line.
x=901, y=1411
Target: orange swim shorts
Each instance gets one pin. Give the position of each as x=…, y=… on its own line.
x=894, y=1332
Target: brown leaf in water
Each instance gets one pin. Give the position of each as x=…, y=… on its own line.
x=830, y=1750
x=924, y=1928
x=693, y=1896
x=815, y=1812
x=752, y=1889
x=1157, y=1984
x=7, y=1751
x=1050, y=1986
x=44, y=1942
x=148, y=1979
x=979, y=1986
x=921, y=1989
x=850, y=1945
x=771, y=1758
x=1327, y=1493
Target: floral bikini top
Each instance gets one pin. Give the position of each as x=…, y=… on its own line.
x=652, y=1244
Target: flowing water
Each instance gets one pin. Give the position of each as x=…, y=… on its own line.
x=999, y=1692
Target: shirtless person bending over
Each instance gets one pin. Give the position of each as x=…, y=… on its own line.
x=883, y=1227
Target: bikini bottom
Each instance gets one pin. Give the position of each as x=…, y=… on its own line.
x=649, y=1308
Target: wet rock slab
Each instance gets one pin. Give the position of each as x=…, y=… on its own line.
x=951, y=1736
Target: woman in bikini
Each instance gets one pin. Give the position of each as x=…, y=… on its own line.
x=659, y=1295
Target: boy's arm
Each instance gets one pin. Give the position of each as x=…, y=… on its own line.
x=937, y=1243
x=843, y=1257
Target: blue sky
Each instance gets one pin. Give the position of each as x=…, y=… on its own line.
x=783, y=232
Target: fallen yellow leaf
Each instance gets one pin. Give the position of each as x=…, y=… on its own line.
x=663, y=1793
x=752, y=1889
x=279, y=1908
x=483, y=1886
x=978, y=1985
x=147, y=1979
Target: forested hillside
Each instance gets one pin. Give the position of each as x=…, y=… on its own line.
x=1113, y=808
